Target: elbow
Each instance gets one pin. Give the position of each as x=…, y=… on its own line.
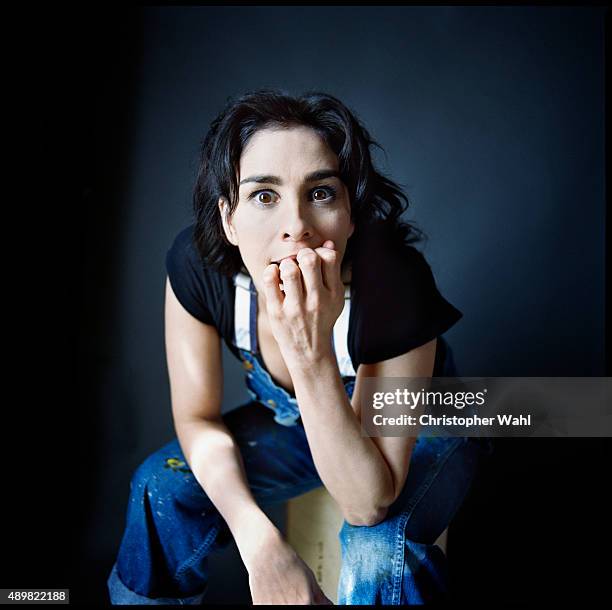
x=373, y=517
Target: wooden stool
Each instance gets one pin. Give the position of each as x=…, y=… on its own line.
x=313, y=523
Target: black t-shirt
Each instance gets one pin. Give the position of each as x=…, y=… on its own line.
x=395, y=303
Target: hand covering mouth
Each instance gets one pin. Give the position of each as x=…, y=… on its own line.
x=278, y=262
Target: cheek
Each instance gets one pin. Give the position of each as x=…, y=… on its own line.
x=341, y=222
x=252, y=230
x=345, y=209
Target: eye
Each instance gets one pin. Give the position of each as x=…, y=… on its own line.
x=263, y=197
x=324, y=193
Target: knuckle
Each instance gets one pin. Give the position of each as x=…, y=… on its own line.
x=292, y=313
x=290, y=272
x=269, y=275
x=307, y=257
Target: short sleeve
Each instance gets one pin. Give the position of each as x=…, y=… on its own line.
x=396, y=305
x=187, y=276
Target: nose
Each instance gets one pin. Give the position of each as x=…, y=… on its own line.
x=296, y=224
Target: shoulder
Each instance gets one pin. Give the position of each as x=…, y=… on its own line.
x=397, y=303
x=183, y=244
x=384, y=260
x=203, y=291
x=383, y=239
x=184, y=254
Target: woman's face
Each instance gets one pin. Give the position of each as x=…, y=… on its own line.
x=289, y=198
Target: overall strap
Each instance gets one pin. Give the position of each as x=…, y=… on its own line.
x=340, y=337
x=245, y=336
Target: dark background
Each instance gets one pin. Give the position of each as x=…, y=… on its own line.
x=492, y=118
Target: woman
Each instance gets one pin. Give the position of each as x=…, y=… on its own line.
x=299, y=261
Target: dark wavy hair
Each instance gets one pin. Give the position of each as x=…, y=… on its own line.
x=374, y=197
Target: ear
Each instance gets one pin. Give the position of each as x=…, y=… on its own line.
x=226, y=219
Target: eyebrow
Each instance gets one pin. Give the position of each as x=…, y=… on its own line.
x=320, y=174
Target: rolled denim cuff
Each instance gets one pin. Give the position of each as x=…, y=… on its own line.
x=121, y=595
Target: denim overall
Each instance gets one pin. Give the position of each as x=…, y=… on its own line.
x=172, y=527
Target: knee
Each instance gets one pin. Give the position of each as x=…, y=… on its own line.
x=368, y=559
x=366, y=547
x=162, y=474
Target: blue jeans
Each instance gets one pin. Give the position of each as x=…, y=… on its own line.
x=172, y=527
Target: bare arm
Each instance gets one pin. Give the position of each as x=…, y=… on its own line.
x=195, y=368
x=364, y=475
x=193, y=351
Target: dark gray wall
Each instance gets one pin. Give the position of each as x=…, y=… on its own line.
x=491, y=117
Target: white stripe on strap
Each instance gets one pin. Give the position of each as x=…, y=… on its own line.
x=242, y=305
x=341, y=337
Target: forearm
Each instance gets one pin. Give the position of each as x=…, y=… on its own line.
x=216, y=463
x=350, y=465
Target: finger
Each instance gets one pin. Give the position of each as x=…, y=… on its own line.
x=330, y=267
x=292, y=280
x=310, y=266
x=272, y=292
